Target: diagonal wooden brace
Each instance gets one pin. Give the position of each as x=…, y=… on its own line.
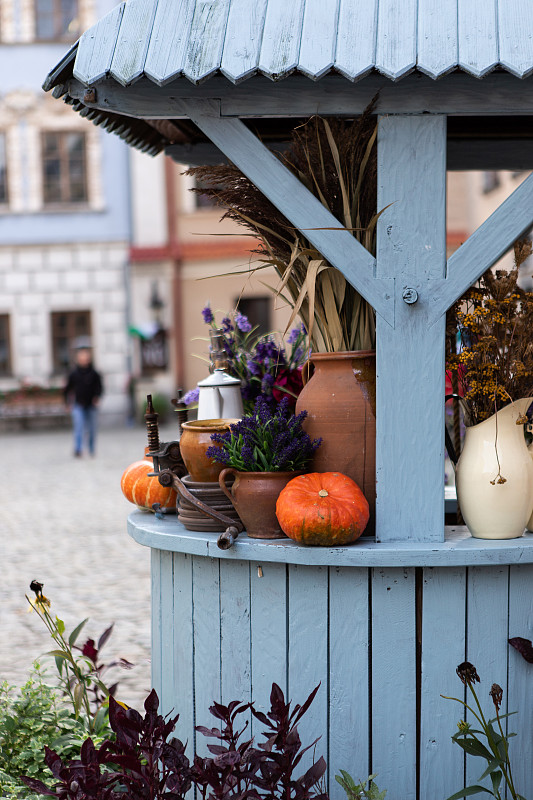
x=295, y=201
x=485, y=246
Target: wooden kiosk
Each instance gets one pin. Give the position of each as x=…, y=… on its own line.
x=382, y=625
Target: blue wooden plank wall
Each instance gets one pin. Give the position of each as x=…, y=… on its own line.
x=383, y=644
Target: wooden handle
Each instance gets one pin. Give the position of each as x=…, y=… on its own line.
x=222, y=483
x=182, y=490
x=307, y=371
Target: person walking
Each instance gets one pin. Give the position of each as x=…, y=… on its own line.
x=82, y=395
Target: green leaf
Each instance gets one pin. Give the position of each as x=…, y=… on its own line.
x=60, y=626
x=58, y=654
x=469, y=791
x=79, y=691
x=496, y=778
x=491, y=767
x=475, y=748
x=76, y=632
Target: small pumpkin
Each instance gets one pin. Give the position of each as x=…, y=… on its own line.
x=322, y=508
x=138, y=488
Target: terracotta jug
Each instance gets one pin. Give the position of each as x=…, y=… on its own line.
x=254, y=496
x=340, y=400
x=194, y=441
x=496, y=446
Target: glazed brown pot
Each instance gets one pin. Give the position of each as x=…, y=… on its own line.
x=340, y=400
x=254, y=496
x=194, y=441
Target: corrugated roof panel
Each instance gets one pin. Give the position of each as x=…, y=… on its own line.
x=206, y=39
x=97, y=46
x=244, y=35
x=196, y=38
x=133, y=40
x=280, y=49
x=396, y=37
x=437, y=37
x=357, y=24
x=319, y=37
x=515, y=37
x=478, y=36
x=169, y=41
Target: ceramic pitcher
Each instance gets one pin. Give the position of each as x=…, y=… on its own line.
x=496, y=447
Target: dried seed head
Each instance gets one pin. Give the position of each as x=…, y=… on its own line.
x=496, y=692
x=467, y=673
x=36, y=587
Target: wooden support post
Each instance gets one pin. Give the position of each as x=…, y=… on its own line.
x=410, y=357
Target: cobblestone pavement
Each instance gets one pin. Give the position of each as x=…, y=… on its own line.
x=63, y=522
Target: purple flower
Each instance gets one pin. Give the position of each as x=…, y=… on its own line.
x=242, y=322
x=208, y=315
x=293, y=335
x=247, y=392
x=252, y=367
x=267, y=383
x=298, y=354
x=271, y=439
x=191, y=397
x=227, y=327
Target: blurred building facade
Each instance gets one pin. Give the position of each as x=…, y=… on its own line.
x=64, y=219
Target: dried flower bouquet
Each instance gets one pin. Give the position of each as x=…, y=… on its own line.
x=493, y=324
x=336, y=160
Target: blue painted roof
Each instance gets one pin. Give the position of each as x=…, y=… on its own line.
x=167, y=39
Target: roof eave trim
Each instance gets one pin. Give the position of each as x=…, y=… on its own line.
x=56, y=75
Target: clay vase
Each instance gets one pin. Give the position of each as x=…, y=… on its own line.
x=340, y=400
x=493, y=510
x=254, y=496
x=194, y=441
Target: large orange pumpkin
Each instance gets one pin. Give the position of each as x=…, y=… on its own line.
x=138, y=488
x=323, y=508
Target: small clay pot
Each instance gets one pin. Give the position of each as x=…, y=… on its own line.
x=254, y=496
x=194, y=441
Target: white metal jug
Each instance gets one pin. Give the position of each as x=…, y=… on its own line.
x=220, y=397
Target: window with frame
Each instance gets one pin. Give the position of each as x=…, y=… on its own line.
x=4, y=197
x=56, y=20
x=64, y=165
x=69, y=328
x=5, y=346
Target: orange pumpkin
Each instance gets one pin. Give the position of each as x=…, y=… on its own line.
x=323, y=508
x=138, y=488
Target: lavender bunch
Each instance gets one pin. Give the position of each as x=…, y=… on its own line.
x=265, y=367
x=265, y=441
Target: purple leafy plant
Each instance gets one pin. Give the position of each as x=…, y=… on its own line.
x=524, y=647
x=146, y=763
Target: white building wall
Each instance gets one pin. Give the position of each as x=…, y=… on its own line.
x=148, y=199
x=36, y=281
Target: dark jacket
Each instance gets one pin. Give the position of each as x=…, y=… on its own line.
x=85, y=384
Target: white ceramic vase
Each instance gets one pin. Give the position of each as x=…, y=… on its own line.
x=499, y=510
